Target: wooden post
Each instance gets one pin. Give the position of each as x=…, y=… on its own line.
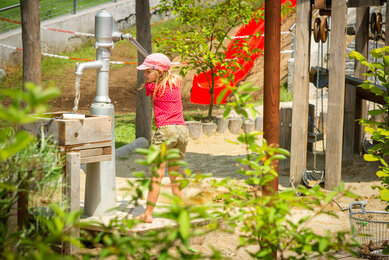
x=334, y=137
x=143, y=117
x=349, y=124
x=285, y=134
x=31, y=38
x=298, y=156
x=361, y=46
x=271, y=93
x=72, y=194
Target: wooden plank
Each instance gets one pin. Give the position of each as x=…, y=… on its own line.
x=334, y=136
x=348, y=124
x=91, y=152
x=363, y=3
x=79, y=147
x=99, y=158
x=72, y=193
x=92, y=129
x=298, y=156
x=73, y=131
x=311, y=122
x=282, y=138
x=361, y=46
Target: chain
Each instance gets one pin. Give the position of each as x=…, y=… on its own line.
x=315, y=132
x=77, y=97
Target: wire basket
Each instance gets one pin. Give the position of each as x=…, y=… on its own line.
x=371, y=230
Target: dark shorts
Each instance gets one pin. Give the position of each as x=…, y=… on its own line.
x=177, y=135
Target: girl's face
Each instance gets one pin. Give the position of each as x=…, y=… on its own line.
x=151, y=75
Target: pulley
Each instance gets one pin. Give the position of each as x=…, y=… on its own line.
x=376, y=23
x=320, y=29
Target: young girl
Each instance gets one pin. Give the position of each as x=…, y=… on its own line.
x=165, y=90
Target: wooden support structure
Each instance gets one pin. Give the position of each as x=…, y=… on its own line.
x=349, y=124
x=346, y=101
x=285, y=135
x=361, y=46
x=72, y=194
x=336, y=94
x=271, y=93
x=81, y=141
x=298, y=156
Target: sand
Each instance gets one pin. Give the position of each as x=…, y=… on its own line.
x=213, y=154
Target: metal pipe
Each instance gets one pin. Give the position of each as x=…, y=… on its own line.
x=134, y=42
x=80, y=67
x=100, y=184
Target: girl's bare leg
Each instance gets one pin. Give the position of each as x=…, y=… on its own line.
x=153, y=194
x=173, y=181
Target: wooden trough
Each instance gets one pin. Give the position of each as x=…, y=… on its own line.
x=85, y=140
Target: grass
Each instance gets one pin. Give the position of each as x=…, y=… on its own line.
x=124, y=129
x=47, y=8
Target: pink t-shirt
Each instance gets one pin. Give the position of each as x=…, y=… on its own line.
x=168, y=107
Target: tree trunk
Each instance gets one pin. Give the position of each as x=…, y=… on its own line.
x=212, y=92
x=31, y=38
x=143, y=35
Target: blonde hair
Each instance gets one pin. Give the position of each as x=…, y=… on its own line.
x=164, y=78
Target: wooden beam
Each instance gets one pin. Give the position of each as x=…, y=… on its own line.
x=334, y=137
x=143, y=118
x=72, y=194
x=349, y=124
x=298, y=156
x=363, y=3
x=361, y=46
x=271, y=82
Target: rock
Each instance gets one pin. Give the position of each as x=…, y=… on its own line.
x=195, y=129
x=222, y=124
x=259, y=123
x=2, y=74
x=209, y=128
x=235, y=125
x=248, y=126
x=140, y=142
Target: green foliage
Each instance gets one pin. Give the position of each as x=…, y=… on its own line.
x=33, y=101
x=285, y=95
x=204, y=29
x=28, y=166
x=378, y=129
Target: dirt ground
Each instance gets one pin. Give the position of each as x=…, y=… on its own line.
x=213, y=154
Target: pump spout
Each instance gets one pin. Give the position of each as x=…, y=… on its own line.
x=97, y=65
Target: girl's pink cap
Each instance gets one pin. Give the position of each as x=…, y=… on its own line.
x=156, y=61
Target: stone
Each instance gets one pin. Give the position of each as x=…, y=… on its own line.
x=209, y=128
x=2, y=74
x=222, y=124
x=235, y=125
x=248, y=126
x=259, y=123
x=195, y=129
